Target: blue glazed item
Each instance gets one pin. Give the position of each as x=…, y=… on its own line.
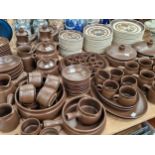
x=75, y=24
x=104, y=21
x=5, y=30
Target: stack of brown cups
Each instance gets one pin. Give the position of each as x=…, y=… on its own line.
x=76, y=79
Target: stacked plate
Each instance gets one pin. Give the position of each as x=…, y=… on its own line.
x=150, y=25
x=97, y=37
x=11, y=65
x=127, y=31
x=70, y=42
x=4, y=47
x=76, y=79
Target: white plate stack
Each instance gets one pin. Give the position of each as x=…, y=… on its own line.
x=150, y=25
x=97, y=37
x=70, y=42
x=127, y=31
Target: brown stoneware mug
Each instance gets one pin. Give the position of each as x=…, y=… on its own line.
x=27, y=94
x=109, y=88
x=116, y=74
x=35, y=78
x=46, y=96
x=131, y=67
x=151, y=92
x=52, y=81
x=127, y=96
x=9, y=118
x=31, y=126
x=145, y=63
x=101, y=76
x=88, y=112
x=129, y=80
x=146, y=77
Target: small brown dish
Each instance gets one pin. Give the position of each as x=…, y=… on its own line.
x=49, y=131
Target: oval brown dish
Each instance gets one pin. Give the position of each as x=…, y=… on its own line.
x=135, y=112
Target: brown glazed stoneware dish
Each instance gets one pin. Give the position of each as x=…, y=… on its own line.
x=88, y=111
x=127, y=96
x=42, y=114
x=129, y=80
x=27, y=94
x=151, y=93
x=46, y=96
x=52, y=81
x=45, y=34
x=74, y=127
x=35, y=78
x=22, y=37
x=131, y=67
x=101, y=76
x=145, y=63
x=119, y=54
x=110, y=88
x=48, y=66
x=26, y=55
x=9, y=118
x=116, y=74
x=144, y=48
x=137, y=111
x=31, y=126
x=8, y=86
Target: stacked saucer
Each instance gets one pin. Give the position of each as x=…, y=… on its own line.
x=4, y=47
x=97, y=37
x=11, y=65
x=70, y=42
x=127, y=31
x=76, y=79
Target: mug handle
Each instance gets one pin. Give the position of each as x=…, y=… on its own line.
x=115, y=97
x=10, y=99
x=53, y=123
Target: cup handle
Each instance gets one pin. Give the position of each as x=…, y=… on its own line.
x=136, y=75
x=146, y=87
x=20, y=78
x=10, y=99
x=115, y=97
x=52, y=123
x=121, y=67
x=72, y=115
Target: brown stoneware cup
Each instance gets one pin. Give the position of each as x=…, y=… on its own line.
x=46, y=97
x=131, y=67
x=101, y=76
x=151, y=92
x=88, y=111
x=127, y=96
x=9, y=118
x=145, y=63
x=31, y=126
x=129, y=80
x=27, y=94
x=109, y=88
x=146, y=77
x=116, y=74
x=36, y=79
x=52, y=81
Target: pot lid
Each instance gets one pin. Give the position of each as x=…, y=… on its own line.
x=121, y=52
x=45, y=28
x=145, y=48
x=21, y=32
x=46, y=64
x=45, y=47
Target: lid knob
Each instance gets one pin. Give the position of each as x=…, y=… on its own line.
x=150, y=42
x=121, y=47
x=21, y=30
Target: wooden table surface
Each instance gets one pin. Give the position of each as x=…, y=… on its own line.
x=114, y=124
